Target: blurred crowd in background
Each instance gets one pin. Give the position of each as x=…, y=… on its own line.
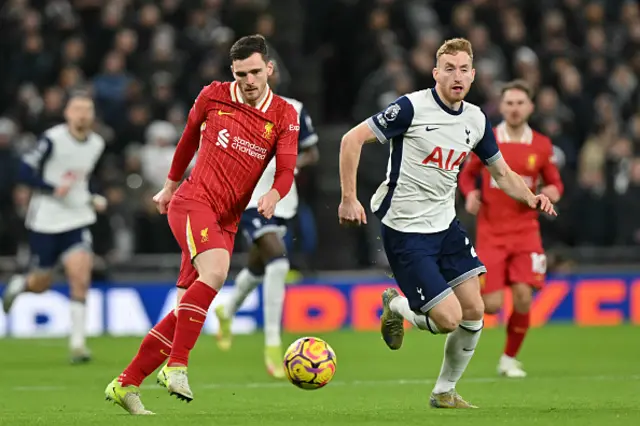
x=145, y=62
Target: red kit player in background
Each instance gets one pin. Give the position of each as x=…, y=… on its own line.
x=508, y=233
x=237, y=127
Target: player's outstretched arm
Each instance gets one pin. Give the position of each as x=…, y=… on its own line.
x=515, y=187
x=383, y=127
x=350, y=210
x=186, y=149
x=189, y=141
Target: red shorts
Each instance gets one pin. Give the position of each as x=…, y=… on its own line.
x=510, y=263
x=196, y=228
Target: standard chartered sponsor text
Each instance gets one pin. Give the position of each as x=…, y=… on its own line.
x=249, y=148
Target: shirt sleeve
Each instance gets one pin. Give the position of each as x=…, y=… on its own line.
x=31, y=170
x=487, y=148
x=190, y=139
x=286, y=153
x=550, y=173
x=393, y=121
x=308, y=136
x=469, y=175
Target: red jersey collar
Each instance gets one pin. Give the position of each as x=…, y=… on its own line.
x=263, y=104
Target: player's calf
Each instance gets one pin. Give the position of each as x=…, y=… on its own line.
x=35, y=282
x=517, y=328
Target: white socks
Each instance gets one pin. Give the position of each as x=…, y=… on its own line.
x=77, y=339
x=245, y=282
x=400, y=305
x=458, y=350
x=275, y=275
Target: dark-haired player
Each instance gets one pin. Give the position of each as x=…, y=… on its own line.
x=60, y=212
x=508, y=237
x=238, y=127
x=268, y=261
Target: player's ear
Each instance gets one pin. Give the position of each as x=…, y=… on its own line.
x=473, y=74
x=269, y=68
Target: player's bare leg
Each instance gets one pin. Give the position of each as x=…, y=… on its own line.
x=35, y=282
x=517, y=328
x=395, y=309
x=459, y=346
x=212, y=266
x=78, y=265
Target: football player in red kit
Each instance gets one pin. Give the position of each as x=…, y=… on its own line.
x=508, y=233
x=237, y=128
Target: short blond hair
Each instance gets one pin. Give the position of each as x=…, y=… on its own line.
x=454, y=46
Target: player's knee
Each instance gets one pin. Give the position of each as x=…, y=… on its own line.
x=474, y=311
x=213, y=277
x=492, y=306
x=448, y=323
x=447, y=318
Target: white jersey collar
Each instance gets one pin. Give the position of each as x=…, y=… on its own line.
x=503, y=136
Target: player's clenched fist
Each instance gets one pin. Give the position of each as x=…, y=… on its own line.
x=267, y=203
x=162, y=199
x=543, y=203
x=351, y=212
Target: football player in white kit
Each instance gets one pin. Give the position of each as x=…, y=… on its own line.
x=268, y=260
x=431, y=132
x=60, y=211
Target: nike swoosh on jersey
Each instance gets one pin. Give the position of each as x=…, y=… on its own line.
x=192, y=319
x=221, y=112
x=428, y=129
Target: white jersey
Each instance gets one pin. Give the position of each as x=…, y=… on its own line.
x=288, y=206
x=429, y=142
x=58, y=157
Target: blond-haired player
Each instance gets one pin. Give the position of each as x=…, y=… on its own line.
x=431, y=132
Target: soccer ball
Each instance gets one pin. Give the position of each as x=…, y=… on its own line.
x=310, y=363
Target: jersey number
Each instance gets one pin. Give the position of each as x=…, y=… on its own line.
x=438, y=158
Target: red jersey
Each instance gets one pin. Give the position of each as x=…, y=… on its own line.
x=500, y=216
x=236, y=142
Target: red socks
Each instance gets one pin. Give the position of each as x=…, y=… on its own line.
x=516, y=330
x=154, y=350
x=192, y=312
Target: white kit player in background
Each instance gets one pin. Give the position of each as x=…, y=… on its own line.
x=431, y=132
x=61, y=210
x=268, y=260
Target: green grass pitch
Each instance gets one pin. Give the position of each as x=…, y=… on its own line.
x=577, y=376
